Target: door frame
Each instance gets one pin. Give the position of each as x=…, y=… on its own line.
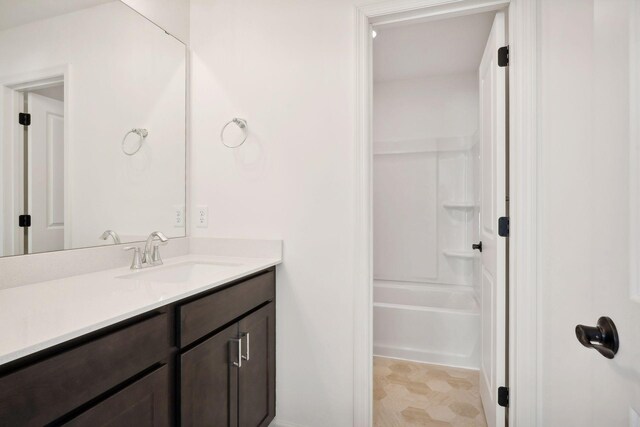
x=12, y=88
x=523, y=315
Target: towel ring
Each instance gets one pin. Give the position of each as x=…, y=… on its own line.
x=142, y=133
x=242, y=124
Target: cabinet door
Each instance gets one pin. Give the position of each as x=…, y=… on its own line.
x=144, y=403
x=257, y=400
x=209, y=381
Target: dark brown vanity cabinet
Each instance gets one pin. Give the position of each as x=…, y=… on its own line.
x=228, y=378
x=205, y=361
x=57, y=386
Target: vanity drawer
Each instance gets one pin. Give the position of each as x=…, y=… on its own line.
x=44, y=391
x=204, y=315
x=144, y=403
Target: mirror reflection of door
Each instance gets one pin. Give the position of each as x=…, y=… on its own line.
x=40, y=172
x=45, y=169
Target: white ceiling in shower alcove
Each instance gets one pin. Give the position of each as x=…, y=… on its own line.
x=448, y=46
x=14, y=13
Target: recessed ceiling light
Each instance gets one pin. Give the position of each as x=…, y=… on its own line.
x=374, y=33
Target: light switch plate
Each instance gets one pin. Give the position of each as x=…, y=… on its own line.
x=203, y=216
x=178, y=219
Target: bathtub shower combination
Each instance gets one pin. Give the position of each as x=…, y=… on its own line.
x=439, y=187
x=427, y=323
x=426, y=275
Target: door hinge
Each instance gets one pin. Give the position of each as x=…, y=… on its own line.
x=24, y=119
x=24, y=221
x=503, y=226
x=503, y=396
x=503, y=56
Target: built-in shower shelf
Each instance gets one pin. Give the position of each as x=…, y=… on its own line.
x=460, y=254
x=460, y=205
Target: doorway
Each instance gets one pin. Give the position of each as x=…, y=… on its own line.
x=439, y=182
x=523, y=343
x=34, y=146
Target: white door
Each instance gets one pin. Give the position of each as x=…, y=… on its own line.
x=46, y=174
x=492, y=206
x=590, y=212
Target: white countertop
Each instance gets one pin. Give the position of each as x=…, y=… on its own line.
x=41, y=315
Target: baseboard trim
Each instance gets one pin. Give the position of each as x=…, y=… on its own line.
x=280, y=423
x=430, y=357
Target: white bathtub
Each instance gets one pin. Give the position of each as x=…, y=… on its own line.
x=437, y=324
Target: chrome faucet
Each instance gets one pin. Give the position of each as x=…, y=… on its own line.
x=151, y=255
x=113, y=235
x=151, y=248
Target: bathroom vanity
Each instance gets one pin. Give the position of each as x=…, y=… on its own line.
x=191, y=343
x=93, y=147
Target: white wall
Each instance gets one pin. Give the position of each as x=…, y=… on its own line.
x=429, y=107
x=172, y=15
x=424, y=119
x=123, y=73
x=7, y=173
x=287, y=67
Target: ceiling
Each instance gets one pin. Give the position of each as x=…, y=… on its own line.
x=14, y=13
x=447, y=46
x=54, y=92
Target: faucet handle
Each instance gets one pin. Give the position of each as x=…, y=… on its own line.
x=136, y=263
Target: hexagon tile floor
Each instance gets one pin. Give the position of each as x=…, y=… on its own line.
x=418, y=394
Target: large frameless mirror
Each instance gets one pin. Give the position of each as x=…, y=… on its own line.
x=92, y=126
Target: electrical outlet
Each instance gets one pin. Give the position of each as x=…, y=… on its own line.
x=203, y=216
x=178, y=219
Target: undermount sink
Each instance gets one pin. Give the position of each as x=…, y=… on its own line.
x=181, y=273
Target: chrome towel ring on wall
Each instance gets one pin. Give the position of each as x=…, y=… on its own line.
x=242, y=124
x=142, y=133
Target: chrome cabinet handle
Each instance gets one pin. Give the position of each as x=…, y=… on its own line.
x=239, y=362
x=246, y=335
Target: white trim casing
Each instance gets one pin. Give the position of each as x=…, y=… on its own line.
x=634, y=150
x=523, y=318
x=363, y=271
x=524, y=399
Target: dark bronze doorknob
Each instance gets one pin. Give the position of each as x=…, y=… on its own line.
x=603, y=337
x=477, y=246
